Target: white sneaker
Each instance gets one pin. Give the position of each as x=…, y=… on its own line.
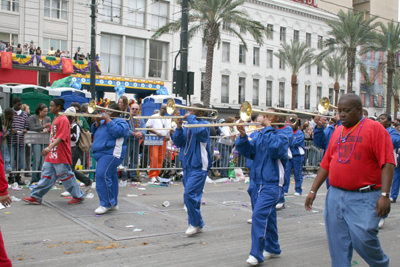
x=193, y=230
x=252, y=260
x=381, y=223
x=280, y=206
x=114, y=207
x=101, y=210
x=153, y=180
x=121, y=168
x=184, y=207
x=297, y=194
x=65, y=194
x=392, y=200
x=285, y=194
x=250, y=221
x=268, y=255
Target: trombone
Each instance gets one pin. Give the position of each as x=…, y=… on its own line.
x=92, y=107
x=246, y=110
x=324, y=105
x=70, y=114
x=171, y=106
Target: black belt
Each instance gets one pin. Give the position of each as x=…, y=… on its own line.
x=365, y=189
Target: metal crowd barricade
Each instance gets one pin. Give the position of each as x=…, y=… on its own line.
x=313, y=156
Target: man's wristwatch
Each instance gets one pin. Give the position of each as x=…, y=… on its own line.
x=385, y=194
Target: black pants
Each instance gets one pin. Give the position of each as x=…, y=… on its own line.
x=76, y=154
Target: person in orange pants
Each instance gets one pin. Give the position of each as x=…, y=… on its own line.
x=157, y=153
x=6, y=201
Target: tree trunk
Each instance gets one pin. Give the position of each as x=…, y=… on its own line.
x=294, y=89
x=389, y=82
x=336, y=88
x=396, y=106
x=351, y=54
x=211, y=41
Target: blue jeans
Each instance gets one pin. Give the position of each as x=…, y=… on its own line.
x=50, y=173
x=225, y=151
x=131, y=159
x=17, y=156
x=37, y=161
x=396, y=184
x=351, y=222
x=5, y=155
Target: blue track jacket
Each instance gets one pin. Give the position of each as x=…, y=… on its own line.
x=395, y=136
x=267, y=151
x=288, y=131
x=323, y=136
x=110, y=138
x=249, y=161
x=298, y=141
x=196, y=143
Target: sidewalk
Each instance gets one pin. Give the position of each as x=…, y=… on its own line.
x=56, y=234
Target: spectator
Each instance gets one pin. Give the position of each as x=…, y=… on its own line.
x=19, y=49
x=8, y=47
x=81, y=120
x=58, y=53
x=38, y=53
x=16, y=144
x=51, y=52
x=123, y=106
x=76, y=56
x=76, y=152
x=97, y=57
x=2, y=47
x=39, y=122
x=25, y=49
x=225, y=146
x=32, y=49
x=81, y=56
x=7, y=130
x=156, y=111
x=87, y=57
x=84, y=108
x=28, y=156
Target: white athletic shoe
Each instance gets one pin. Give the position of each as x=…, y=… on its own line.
x=250, y=221
x=121, y=168
x=114, y=207
x=65, y=194
x=193, y=230
x=184, y=207
x=285, y=194
x=381, y=223
x=252, y=260
x=153, y=180
x=268, y=255
x=101, y=210
x=280, y=206
x=297, y=194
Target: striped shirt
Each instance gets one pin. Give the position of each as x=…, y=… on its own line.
x=20, y=122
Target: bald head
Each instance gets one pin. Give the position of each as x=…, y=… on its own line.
x=352, y=99
x=350, y=109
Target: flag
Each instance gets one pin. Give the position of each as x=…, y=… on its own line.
x=6, y=60
x=67, y=65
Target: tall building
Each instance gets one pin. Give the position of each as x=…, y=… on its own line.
x=335, y=5
x=387, y=9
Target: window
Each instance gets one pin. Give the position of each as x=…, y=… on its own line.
x=256, y=85
x=364, y=56
x=281, y=94
x=320, y=42
x=319, y=69
x=256, y=56
x=381, y=78
x=270, y=58
x=319, y=94
x=296, y=36
x=308, y=39
x=307, y=97
x=56, y=9
x=330, y=73
x=111, y=10
x=225, y=51
x=10, y=38
x=56, y=44
x=158, y=60
x=372, y=55
x=225, y=89
x=134, y=56
x=371, y=101
x=269, y=93
x=380, y=100
x=282, y=35
x=203, y=78
x=159, y=14
x=372, y=75
x=10, y=5
x=308, y=68
x=225, y=25
x=380, y=55
x=270, y=29
x=363, y=99
x=136, y=11
x=331, y=100
x=281, y=63
x=242, y=54
x=341, y=93
x=242, y=30
x=342, y=76
x=204, y=51
x=242, y=88
x=110, y=53
x=362, y=78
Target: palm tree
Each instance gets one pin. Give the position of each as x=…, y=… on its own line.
x=295, y=55
x=211, y=18
x=349, y=31
x=389, y=41
x=336, y=66
x=396, y=89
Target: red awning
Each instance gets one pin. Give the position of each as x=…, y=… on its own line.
x=18, y=76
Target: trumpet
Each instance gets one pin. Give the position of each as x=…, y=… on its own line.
x=92, y=107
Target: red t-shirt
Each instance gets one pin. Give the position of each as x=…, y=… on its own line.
x=374, y=148
x=62, y=152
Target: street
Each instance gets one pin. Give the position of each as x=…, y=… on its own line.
x=58, y=234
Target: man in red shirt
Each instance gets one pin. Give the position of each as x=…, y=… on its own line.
x=57, y=164
x=360, y=163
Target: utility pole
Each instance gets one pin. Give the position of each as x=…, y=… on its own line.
x=184, y=47
x=93, y=51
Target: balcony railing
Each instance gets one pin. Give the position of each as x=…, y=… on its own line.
x=241, y=99
x=224, y=99
x=281, y=104
x=269, y=102
x=255, y=102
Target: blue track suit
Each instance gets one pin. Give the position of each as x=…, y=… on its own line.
x=267, y=153
x=296, y=163
x=395, y=136
x=321, y=138
x=288, y=131
x=249, y=163
x=109, y=148
x=196, y=162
